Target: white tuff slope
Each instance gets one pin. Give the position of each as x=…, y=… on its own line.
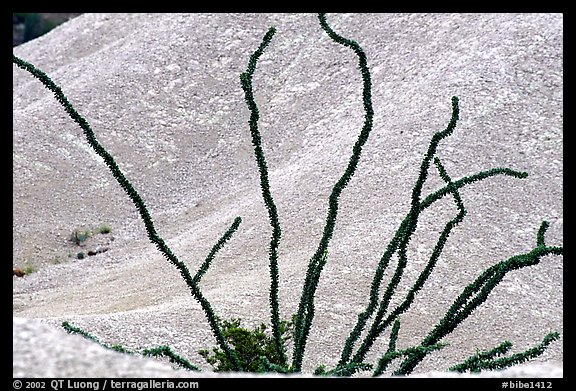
x=162, y=94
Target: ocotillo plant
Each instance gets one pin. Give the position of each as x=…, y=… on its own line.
x=378, y=315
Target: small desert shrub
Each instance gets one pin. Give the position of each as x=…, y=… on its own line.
x=254, y=348
x=29, y=269
x=80, y=236
x=23, y=271
x=104, y=229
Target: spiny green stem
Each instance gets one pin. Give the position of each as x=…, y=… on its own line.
x=77, y=330
x=486, y=361
x=98, y=148
x=205, y=304
x=152, y=352
x=343, y=370
x=414, y=212
x=246, y=81
x=519, y=358
x=305, y=313
x=389, y=356
x=217, y=247
x=398, y=244
x=432, y=147
x=474, y=362
x=132, y=194
x=430, y=199
x=476, y=294
x=110, y=162
x=393, y=247
x=165, y=351
x=378, y=326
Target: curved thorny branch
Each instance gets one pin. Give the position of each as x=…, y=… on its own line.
x=305, y=314
x=246, y=81
x=476, y=293
x=141, y=207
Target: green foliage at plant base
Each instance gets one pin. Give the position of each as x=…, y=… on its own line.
x=80, y=236
x=241, y=349
x=255, y=349
x=29, y=269
x=104, y=229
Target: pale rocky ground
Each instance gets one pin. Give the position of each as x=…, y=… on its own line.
x=162, y=94
x=49, y=352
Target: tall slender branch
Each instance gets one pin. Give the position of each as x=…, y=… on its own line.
x=305, y=314
x=140, y=206
x=246, y=80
